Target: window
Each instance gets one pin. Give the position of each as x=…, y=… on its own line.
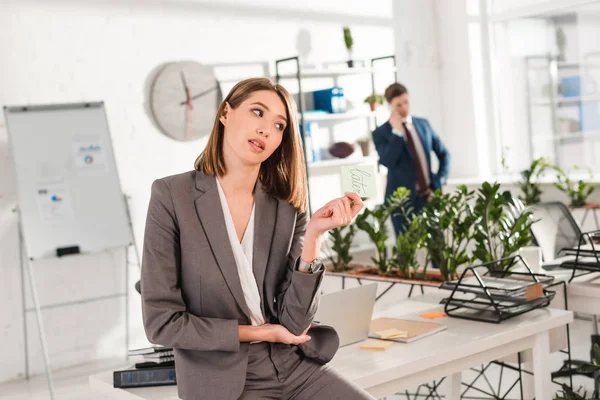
x=547, y=79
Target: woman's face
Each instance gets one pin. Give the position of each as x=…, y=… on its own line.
x=254, y=130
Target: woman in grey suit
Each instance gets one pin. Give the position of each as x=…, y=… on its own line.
x=231, y=268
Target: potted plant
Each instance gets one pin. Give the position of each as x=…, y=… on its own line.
x=341, y=241
x=530, y=188
x=373, y=222
x=349, y=44
x=364, y=144
x=373, y=100
x=497, y=234
x=578, y=191
x=449, y=223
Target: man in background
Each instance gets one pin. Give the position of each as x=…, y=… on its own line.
x=404, y=144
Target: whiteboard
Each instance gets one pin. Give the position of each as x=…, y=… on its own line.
x=67, y=181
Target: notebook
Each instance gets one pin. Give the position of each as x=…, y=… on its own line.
x=414, y=330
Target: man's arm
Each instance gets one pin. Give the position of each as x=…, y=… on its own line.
x=389, y=146
x=441, y=153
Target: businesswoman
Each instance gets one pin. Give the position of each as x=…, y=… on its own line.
x=230, y=270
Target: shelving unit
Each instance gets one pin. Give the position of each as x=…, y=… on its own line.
x=337, y=162
x=300, y=74
x=336, y=71
x=323, y=116
x=556, y=104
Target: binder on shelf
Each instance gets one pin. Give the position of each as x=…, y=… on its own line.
x=144, y=377
x=489, y=294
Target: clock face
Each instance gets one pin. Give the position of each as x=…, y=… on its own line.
x=184, y=99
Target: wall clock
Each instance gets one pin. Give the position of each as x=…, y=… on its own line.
x=184, y=98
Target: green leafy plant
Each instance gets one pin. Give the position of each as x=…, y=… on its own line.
x=530, y=188
x=341, y=242
x=373, y=222
x=497, y=233
x=407, y=244
x=348, y=39
x=578, y=191
x=375, y=99
x=449, y=224
x=566, y=393
x=349, y=44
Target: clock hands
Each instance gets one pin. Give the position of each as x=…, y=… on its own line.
x=188, y=92
x=198, y=95
x=190, y=106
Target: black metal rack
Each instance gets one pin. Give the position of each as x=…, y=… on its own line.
x=587, y=260
x=299, y=76
x=489, y=294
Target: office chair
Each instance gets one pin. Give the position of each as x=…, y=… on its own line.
x=559, y=236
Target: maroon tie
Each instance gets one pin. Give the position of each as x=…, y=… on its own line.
x=421, y=185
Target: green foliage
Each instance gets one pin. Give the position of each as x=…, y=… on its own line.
x=348, y=38
x=375, y=98
x=595, y=365
x=449, y=224
x=578, y=191
x=497, y=233
x=407, y=243
x=567, y=393
x=373, y=222
x=341, y=241
x=530, y=188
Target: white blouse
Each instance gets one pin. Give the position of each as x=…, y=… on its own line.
x=242, y=253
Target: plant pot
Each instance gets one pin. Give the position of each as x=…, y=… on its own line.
x=431, y=278
x=350, y=63
x=365, y=148
x=348, y=269
x=373, y=106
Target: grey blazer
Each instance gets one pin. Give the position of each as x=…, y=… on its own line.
x=192, y=299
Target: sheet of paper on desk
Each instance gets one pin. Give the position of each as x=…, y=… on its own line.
x=361, y=179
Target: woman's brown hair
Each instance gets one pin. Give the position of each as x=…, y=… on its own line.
x=283, y=174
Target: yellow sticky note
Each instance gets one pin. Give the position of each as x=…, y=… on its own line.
x=392, y=333
x=377, y=345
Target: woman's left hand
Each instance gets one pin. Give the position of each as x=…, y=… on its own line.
x=338, y=212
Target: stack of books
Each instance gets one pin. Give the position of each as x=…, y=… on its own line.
x=154, y=356
x=156, y=368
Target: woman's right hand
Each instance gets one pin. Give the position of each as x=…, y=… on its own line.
x=279, y=334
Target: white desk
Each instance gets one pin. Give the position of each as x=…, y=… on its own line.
x=463, y=345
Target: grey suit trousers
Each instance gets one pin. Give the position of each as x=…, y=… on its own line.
x=303, y=379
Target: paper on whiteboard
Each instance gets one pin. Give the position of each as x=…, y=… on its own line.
x=89, y=155
x=54, y=201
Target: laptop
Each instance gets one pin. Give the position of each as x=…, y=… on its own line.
x=349, y=312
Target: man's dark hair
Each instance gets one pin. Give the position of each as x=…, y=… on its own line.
x=394, y=90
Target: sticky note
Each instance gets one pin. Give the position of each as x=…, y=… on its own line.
x=433, y=315
x=535, y=291
x=361, y=179
x=375, y=344
x=392, y=333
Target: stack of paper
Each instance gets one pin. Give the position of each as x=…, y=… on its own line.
x=155, y=354
x=401, y=330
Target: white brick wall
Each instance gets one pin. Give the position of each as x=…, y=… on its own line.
x=66, y=51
